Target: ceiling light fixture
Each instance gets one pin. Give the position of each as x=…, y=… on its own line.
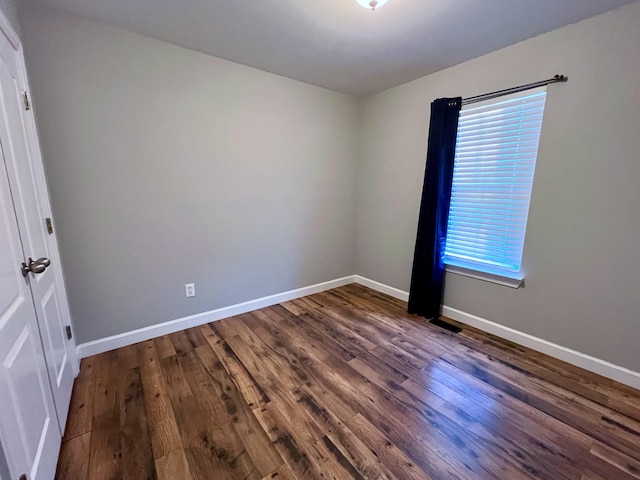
x=372, y=4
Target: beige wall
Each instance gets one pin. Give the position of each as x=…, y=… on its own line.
x=582, y=257
x=167, y=167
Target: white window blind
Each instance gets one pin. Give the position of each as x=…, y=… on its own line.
x=495, y=159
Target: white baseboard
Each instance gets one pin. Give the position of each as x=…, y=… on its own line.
x=382, y=288
x=596, y=365
x=129, y=338
x=593, y=364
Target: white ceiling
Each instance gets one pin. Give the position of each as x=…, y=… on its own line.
x=336, y=43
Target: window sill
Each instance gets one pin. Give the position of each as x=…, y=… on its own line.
x=510, y=282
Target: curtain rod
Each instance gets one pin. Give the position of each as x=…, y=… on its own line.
x=507, y=91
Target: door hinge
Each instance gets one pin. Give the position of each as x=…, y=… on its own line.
x=69, y=333
x=49, y=225
x=27, y=102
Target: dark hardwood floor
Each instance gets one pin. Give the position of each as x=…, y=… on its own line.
x=340, y=385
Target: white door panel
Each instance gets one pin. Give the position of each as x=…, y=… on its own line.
x=30, y=433
x=26, y=177
x=54, y=335
x=22, y=177
x=28, y=394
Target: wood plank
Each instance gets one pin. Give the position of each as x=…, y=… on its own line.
x=589, y=475
x=209, y=447
x=163, y=429
x=358, y=323
x=254, y=395
x=394, y=459
x=315, y=340
x=216, y=454
x=308, y=362
x=107, y=393
x=87, y=369
x=624, y=404
x=293, y=308
x=612, y=463
x=307, y=303
x=184, y=405
x=173, y=466
x=181, y=342
x=105, y=458
x=273, y=371
x=82, y=407
x=164, y=346
x=402, y=356
x=329, y=460
x=282, y=473
x=255, y=319
x=218, y=408
x=74, y=457
x=262, y=452
x=196, y=337
x=338, y=331
x=283, y=436
x=128, y=357
x=137, y=455
x=104, y=363
x=362, y=458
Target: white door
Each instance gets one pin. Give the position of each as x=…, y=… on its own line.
x=31, y=200
x=29, y=430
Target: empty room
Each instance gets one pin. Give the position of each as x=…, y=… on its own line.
x=304, y=240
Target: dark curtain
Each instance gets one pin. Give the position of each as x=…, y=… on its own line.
x=427, y=277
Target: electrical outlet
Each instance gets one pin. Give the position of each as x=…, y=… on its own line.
x=190, y=289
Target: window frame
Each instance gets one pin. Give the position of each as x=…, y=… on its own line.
x=481, y=269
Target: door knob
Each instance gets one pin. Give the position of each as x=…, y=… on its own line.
x=35, y=266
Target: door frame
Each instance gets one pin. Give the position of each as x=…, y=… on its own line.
x=42, y=192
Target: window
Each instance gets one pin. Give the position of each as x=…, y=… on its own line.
x=495, y=161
